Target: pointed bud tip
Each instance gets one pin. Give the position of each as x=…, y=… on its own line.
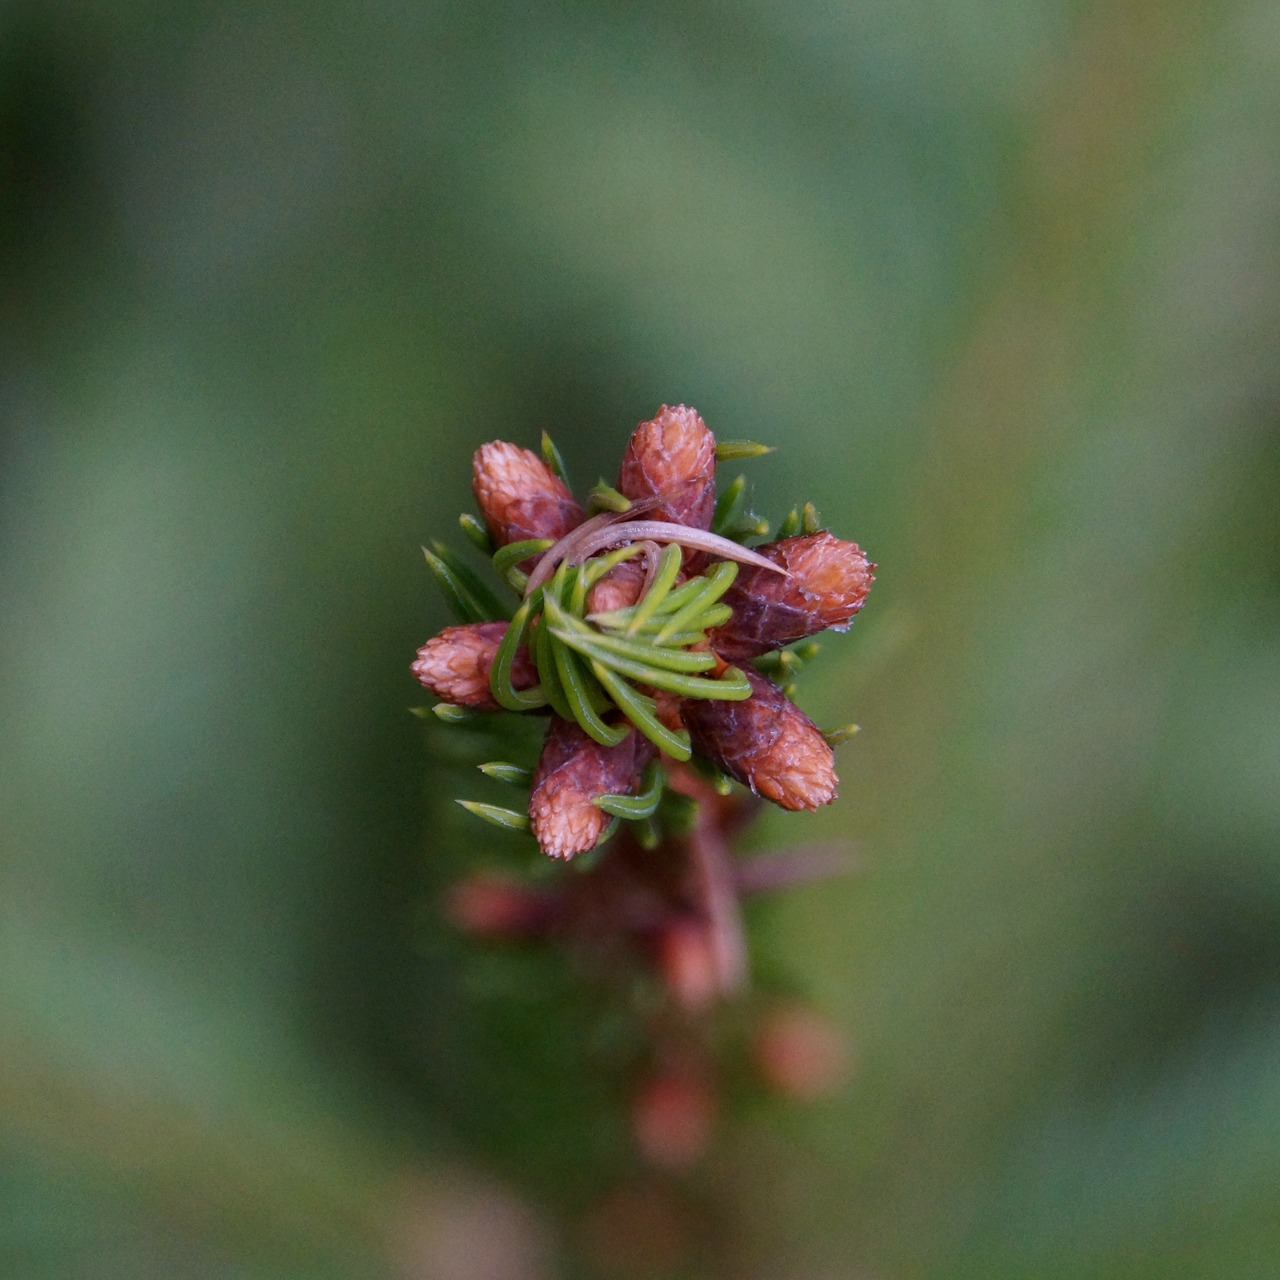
x=672, y=456
x=455, y=664
x=520, y=496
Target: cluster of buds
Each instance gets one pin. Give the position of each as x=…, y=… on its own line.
x=658, y=632
x=628, y=622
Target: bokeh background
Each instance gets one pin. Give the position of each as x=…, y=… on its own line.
x=1000, y=279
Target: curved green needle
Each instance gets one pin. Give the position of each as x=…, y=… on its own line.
x=573, y=680
x=592, y=643
x=642, y=805
x=504, y=692
x=664, y=580
x=640, y=711
x=717, y=582
x=505, y=559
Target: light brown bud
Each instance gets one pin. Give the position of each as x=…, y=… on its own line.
x=573, y=771
x=520, y=496
x=455, y=665
x=672, y=455
x=766, y=742
x=828, y=583
x=620, y=588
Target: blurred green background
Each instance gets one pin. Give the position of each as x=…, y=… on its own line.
x=1001, y=280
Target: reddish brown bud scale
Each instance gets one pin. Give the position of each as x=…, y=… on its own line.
x=455, y=665
x=666, y=706
x=828, y=583
x=519, y=496
x=573, y=772
x=766, y=742
x=673, y=456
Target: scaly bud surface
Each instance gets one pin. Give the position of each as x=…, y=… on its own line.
x=766, y=742
x=673, y=455
x=520, y=496
x=827, y=584
x=573, y=772
x=455, y=665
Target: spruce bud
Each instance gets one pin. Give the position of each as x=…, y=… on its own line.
x=455, y=665
x=519, y=496
x=573, y=772
x=766, y=742
x=827, y=584
x=672, y=457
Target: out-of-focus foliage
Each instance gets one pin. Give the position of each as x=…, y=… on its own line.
x=1001, y=280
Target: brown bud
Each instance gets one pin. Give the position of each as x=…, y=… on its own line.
x=672, y=455
x=455, y=665
x=573, y=772
x=828, y=583
x=520, y=496
x=766, y=742
x=620, y=588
